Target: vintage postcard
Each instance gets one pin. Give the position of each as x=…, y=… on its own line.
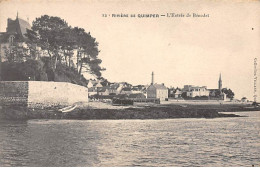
x=150, y=83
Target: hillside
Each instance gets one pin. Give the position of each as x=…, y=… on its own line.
x=39, y=70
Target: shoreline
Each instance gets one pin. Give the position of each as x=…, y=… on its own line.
x=162, y=111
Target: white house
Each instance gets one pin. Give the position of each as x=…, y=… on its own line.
x=115, y=88
x=103, y=91
x=94, y=83
x=193, y=91
x=158, y=91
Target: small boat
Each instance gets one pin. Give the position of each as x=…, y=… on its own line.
x=68, y=109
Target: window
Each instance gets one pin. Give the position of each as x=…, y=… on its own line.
x=11, y=39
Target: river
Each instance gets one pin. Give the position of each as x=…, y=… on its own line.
x=166, y=142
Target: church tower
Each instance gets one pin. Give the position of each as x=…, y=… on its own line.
x=220, y=83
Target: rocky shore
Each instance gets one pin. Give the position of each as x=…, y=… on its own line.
x=149, y=112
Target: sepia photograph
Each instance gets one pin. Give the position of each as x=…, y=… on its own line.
x=142, y=83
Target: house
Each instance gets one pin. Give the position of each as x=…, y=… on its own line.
x=92, y=91
x=103, y=91
x=171, y=91
x=125, y=84
x=157, y=91
x=137, y=96
x=13, y=40
x=94, y=83
x=177, y=93
x=90, y=83
x=214, y=92
x=115, y=88
x=137, y=89
x=126, y=90
x=196, y=91
x=98, y=84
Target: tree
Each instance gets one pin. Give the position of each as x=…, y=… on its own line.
x=87, y=52
x=55, y=36
x=230, y=94
x=17, y=52
x=33, y=70
x=48, y=33
x=104, y=81
x=24, y=71
x=69, y=45
x=217, y=93
x=184, y=95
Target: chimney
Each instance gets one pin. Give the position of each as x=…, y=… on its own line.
x=152, y=79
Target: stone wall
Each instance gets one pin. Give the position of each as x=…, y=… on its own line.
x=51, y=94
x=14, y=93
x=40, y=94
x=77, y=93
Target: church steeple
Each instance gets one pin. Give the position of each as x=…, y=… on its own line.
x=220, y=83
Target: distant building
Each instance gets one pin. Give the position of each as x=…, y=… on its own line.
x=103, y=91
x=196, y=91
x=125, y=84
x=217, y=94
x=126, y=90
x=15, y=36
x=92, y=91
x=157, y=91
x=94, y=83
x=171, y=91
x=137, y=96
x=177, y=93
x=213, y=92
x=138, y=89
x=114, y=88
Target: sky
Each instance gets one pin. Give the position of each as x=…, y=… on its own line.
x=179, y=50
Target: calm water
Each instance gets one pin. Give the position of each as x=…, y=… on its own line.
x=175, y=142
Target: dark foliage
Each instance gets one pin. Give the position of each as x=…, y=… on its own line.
x=38, y=70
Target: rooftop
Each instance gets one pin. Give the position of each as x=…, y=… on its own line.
x=159, y=86
x=18, y=27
